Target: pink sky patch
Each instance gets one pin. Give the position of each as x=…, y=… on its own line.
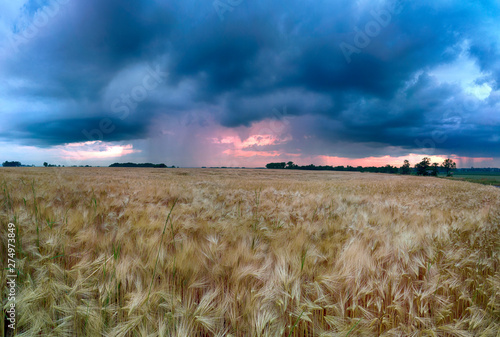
x=253, y=140
x=248, y=153
x=94, y=150
x=396, y=161
x=249, y=147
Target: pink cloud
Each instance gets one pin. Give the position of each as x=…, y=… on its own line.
x=94, y=150
x=395, y=161
x=469, y=161
x=248, y=153
x=247, y=147
x=253, y=140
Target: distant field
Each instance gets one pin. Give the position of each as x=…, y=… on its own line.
x=250, y=253
x=486, y=178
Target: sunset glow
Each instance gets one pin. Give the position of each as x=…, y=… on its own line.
x=398, y=161
x=94, y=150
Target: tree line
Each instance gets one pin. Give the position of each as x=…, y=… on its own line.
x=423, y=168
x=11, y=164
x=45, y=164
x=139, y=165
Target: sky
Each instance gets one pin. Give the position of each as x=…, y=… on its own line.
x=245, y=83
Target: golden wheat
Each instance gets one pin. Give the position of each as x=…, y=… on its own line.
x=251, y=253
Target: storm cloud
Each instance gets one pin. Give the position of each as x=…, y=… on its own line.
x=351, y=79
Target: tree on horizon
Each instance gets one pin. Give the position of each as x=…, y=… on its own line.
x=281, y=165
x=423, y=166
x=435, y=169
x=405, y=169
x=449, y=165
x=11, y=164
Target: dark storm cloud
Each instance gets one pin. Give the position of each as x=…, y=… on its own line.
x=76, y=130
x=81, y=48
x=262, y=56
x=413, y=39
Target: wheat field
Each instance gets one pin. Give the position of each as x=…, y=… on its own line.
x=201, y=252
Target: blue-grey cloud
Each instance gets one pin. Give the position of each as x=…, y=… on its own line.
x=361, y=74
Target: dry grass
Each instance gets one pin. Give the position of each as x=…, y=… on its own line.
x=251, y=253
